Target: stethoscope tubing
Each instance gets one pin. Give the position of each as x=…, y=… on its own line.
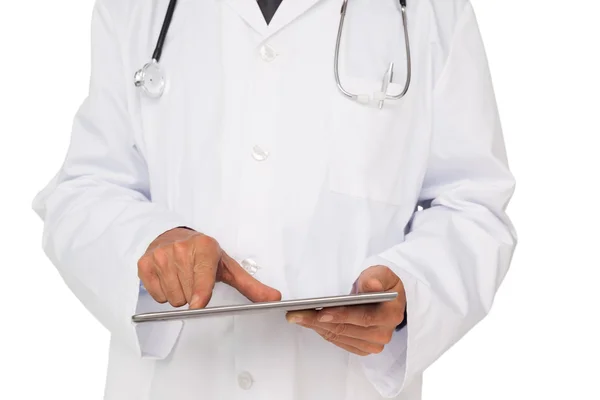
x=156, y=56
x=164, y=31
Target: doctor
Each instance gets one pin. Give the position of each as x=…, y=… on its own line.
x=241, y=166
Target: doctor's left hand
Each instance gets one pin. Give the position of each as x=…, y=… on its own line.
x=361, y=330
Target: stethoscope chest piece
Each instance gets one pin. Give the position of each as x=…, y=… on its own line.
x=151, y=79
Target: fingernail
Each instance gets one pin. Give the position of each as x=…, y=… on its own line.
x=294, y=319
x=195, y=300
x=326, y=318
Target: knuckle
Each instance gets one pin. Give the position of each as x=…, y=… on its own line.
x=330, y=336
x=145, y=265
x=340, y=329
x=207, y=242
x=341, y=316
x=367, y=319
x=161, y=255
x=181, y=247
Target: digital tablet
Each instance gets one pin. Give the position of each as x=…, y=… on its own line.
x=317, y=303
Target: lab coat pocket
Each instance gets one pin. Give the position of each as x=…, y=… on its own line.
x=368, y=145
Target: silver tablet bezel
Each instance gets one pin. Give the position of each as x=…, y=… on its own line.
x=316, y=303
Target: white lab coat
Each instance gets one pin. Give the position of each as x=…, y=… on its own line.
x=253, y=144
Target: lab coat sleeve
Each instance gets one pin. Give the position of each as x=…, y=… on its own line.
x=98, y=217
x=459, y=247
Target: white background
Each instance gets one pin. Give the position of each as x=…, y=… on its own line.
x=542, y=338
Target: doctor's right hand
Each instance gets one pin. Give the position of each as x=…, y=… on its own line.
x=182, y=266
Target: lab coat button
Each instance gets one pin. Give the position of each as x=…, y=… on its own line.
x=250, y=266
x=245, y=380
x=259, y=154
x=267, y=53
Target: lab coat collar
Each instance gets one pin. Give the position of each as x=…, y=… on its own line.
x=287, y=12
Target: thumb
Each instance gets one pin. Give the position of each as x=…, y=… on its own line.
x=377, y=279
x=238, y=278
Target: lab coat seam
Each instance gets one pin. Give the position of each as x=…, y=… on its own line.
x=463, y=15
x=434, y=38
x=127, y=101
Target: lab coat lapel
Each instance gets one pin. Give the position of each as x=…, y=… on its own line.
x=250, y=12
x=287, y=12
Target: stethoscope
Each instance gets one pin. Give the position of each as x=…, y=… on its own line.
x=383, y=95
x=152, y=81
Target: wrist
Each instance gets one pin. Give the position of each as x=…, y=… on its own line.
x=173, y=235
